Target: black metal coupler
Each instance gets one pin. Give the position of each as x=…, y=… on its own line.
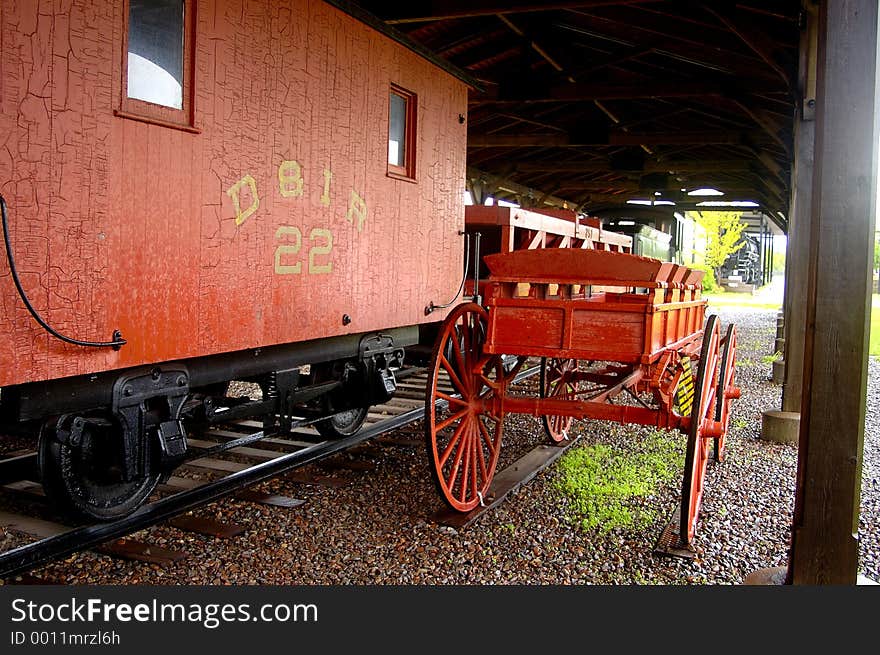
x=378, y=359
x=147, y=403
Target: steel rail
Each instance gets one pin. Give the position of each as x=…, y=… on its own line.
x=43, y=551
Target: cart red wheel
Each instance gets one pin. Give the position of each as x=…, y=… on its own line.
x=725, y=387
x=557, y=382
x=697, y=453
x=463, y=414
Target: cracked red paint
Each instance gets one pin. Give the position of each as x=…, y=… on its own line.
x=122, y=224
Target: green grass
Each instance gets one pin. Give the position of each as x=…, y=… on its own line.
x=730, y=299
x=874, y=344
x=606, y=487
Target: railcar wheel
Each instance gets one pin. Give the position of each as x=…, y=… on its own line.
x=343, y=424
x=725, y=389
x=697, y=454
x=85, y=479
x=557, y=382
x=463, y=413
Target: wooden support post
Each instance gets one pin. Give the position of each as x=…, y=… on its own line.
x=824, y=548
x=797, y=258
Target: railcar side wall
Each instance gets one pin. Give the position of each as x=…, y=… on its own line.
x=264, y=224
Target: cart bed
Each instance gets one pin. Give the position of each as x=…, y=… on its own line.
x=590, y=305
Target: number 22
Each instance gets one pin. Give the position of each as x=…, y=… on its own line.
x=322, y=245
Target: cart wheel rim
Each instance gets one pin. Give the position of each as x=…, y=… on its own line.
x=556, y=382
x=696, y=455
x=464, y=420
x=725, y=386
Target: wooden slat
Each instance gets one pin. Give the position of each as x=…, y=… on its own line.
x=206, y=526
x=307, y=477
x=140, y=551
x=276, y=500
x=275, y=441
x=30, y=525
x=176, y=483
x=245, y=451
x=217, y=465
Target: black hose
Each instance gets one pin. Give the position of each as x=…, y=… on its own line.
x=117, y=342
x=467, y=262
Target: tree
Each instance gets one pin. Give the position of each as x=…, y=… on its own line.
x=723, y=232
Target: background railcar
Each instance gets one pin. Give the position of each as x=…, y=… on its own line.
x=212, y=190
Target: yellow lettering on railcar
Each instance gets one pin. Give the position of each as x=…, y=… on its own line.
x=288, y=249
x=357, y=210
x=317, y=251
x=290, y=179
x=234, y=192
x=325, y=195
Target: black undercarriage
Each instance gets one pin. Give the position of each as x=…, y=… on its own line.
x=106, y=440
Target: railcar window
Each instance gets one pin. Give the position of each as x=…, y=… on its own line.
x=397, y=131
x=155, y=51
x=401, y=133
x=157, y=67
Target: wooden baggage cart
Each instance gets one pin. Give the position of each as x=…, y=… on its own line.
x=620, y=337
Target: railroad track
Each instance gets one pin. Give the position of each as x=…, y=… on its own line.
x=234, y=455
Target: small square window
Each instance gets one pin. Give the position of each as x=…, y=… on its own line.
x=402, y=134
x=157, y=67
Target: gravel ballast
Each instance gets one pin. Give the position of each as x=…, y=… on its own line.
x=378, y=529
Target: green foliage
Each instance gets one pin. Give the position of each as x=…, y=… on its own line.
x=607, y=487
x=723, y=232
x=779, y=262
x=876, y=250
x=769, y=359
x=874, y=343
x=709, y=283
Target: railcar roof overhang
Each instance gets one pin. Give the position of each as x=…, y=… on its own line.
x=596, y=103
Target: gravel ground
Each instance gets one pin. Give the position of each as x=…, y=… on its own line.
x=378, y=528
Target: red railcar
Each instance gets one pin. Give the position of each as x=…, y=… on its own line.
x=210, y=190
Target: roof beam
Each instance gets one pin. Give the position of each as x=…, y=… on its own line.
x=766, y=124
x=656, y=166
x=449, y=9
x=585, y=92
x=618, y=138
x=759, y=42
x=500, y=183
x=682, y=47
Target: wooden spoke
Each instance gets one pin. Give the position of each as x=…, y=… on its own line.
x=463, y=435
x=452, y=400
x=481, y=455
x=557, y=382
x=696, y=455
x=488, y=440
x=726, y=390
x=456, y=437
x=452, y=419
x=457, y=384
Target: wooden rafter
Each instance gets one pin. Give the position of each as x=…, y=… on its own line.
x=451, y=9
x=618, y=138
